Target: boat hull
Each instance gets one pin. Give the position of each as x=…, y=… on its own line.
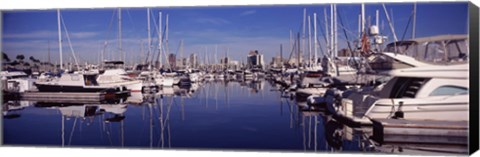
x=133, y=86
x=63, y=88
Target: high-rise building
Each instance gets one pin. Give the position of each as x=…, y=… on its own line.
x=255, y=59
x=172, y=59
x=193, y=61
x=224, y=60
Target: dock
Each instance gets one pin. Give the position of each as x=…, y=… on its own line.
x=400, y=131
x=63, y=96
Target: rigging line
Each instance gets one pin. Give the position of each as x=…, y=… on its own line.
x=73, y=130
x=348, y=42
x=108, y=33
x=406, y=27
x=293, y=49
x=131, y=19
x=164, y=49
x=347, y=25
x=153, y=33
x=348, y=31
x=320, y=46
x=323, y=34
x=178, y=48
x=148, y=44
x=70, y=43
x=345, y=32
x=295, y=43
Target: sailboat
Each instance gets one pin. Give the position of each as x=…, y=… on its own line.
x=115, y=74
x=73, y=82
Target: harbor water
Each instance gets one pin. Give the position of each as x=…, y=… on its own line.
x=250, y=115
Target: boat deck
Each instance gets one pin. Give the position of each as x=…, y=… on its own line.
x=420, y=131
x=63, y=96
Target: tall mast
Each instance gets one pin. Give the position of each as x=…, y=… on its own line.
x=160, y=40
x=205, y=57
x=291, y=40
x=335, y=48
x=226, y=56
x=215, y=62
x=60, y=39
x=414, y=19
x=281, y=55
x=298, y=50
x=315, y=37
x=120, y=32
x=49, y=51
x=363, y=18
x=331, y=31
x=304, y=29
x=360, y=26
x=166, y=35
x=377, y=18
x=166, y=43
x=149, y=40
x=326, y=31
x=141, y=51
x=390, y=23
x=309, y=42
x=181, y=53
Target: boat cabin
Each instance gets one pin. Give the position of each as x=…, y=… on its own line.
x=113, y=64
x=434, y=49
x=427, y=81
x=79, y=79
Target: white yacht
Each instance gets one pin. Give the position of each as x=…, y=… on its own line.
x=421, y=93
x=80, y=82
x=170, y=79
x=118, y=77
x=115, y=75
x=157, y=78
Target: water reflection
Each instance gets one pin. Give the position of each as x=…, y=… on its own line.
x=12, y=109
x=245, y=114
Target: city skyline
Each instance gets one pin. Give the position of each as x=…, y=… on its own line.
x=236, y=28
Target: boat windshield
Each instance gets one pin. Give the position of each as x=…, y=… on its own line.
x=449, y=90
x=437, y=51
x=113, y=64
x=90, y=80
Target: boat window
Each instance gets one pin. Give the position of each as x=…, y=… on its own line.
x=405, y=47
x=406, y=87
x=457, y=50
x=90, y=80
x=449, y=90
x=434, y=52
x=408, y=49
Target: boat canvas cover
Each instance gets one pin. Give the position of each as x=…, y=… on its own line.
x=436, y=71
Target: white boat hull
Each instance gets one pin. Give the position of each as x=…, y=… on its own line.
x=133, y=86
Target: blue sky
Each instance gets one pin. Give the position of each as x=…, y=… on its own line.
x=239, y=28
